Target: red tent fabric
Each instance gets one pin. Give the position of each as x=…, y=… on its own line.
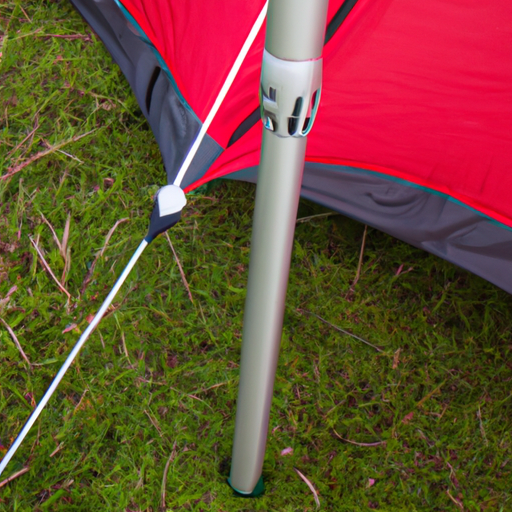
x=407, y=96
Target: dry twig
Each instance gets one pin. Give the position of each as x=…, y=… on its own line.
x=482, y=430
x=154, y=423
x=69, y=155
x=55, y=237
x=63, y=248
x=77, y=406
x=183, y=278
x=428, y=396
x=67, y=36
x=47, y=267
x=126, y=350
x=318, y=216
x=26, y=15
x=6, y=299
x=212, y=387
x=396, y=358
x=110, y=233
x=11, y=171
x=16, y=342
x=65, y=237
x=361, y=254
x=36, y=126
x=194, y=397
x=166, y=471
x=57, y=450
x=378, y=443
x=16, y=475
x=340, y=329
x=67, y=266
x=310, y=485
x=99, y=254
x=455, y=500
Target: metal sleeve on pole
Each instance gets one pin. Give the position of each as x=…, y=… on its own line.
x=296, y=29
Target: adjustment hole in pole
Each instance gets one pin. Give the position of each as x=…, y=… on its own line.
x=293, y=125
x=298, y=106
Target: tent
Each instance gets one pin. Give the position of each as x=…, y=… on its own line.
x=414, y=131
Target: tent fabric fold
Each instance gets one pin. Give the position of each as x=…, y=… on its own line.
x=414, y=131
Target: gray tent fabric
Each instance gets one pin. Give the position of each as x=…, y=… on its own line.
x=428, y=221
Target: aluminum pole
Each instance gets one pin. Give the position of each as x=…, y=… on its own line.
x=291, y=80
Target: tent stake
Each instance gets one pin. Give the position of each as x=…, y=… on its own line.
x=290, y=90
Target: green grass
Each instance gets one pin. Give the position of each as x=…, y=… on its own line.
x=158, y=379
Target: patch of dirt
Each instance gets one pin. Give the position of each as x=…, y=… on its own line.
x=7, y=247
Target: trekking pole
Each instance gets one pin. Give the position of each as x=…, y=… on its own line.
x=290, y=91
x=167, y=211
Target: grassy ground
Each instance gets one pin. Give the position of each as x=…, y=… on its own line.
x=421, y=422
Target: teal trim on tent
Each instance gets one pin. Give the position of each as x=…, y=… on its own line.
x=250, y=175
x=357, y=170
x=161, y=61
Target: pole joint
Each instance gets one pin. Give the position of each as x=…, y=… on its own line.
x=289, y=94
